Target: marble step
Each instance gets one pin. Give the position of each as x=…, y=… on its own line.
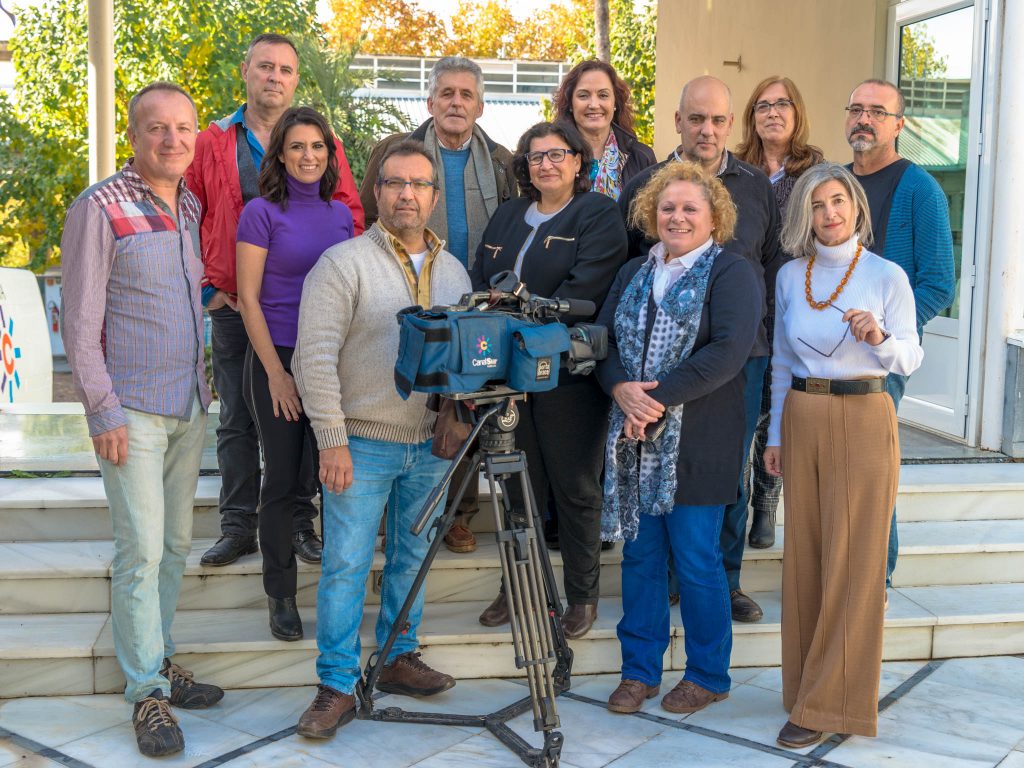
x=76, y=508
x=74, y=576
x=73, y=654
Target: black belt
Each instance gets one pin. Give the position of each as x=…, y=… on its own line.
x=815, y=386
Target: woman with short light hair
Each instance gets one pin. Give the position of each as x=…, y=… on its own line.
x=844, y=320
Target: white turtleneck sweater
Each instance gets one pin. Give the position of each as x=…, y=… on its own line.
x=876, y=285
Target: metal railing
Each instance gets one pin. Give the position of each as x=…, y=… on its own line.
x=937, y=96
x=408, y=74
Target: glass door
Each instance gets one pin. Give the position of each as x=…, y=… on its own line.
x=931, y=58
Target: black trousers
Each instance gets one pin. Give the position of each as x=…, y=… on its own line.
x=563, y=434
x=238, y=452
x=285, y=474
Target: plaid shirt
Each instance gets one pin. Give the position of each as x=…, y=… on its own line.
x=133, y=327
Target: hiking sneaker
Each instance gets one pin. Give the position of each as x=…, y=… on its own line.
x=411, y=677
x=186, y=692
x=156, y=729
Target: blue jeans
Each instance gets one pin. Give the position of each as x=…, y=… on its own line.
x=151, y=498
x=401, y=475
x=690, y=535
x=895, y=385
x=734, y=526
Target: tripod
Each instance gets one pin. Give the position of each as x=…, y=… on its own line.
x=535, y=609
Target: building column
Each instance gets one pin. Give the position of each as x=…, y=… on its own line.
x=1005, y=288
x=102, y=130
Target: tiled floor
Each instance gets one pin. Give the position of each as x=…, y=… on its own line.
x=959, y=712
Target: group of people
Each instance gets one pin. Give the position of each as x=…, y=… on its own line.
x=760, y=298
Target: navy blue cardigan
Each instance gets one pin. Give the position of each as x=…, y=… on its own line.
x=710, y=381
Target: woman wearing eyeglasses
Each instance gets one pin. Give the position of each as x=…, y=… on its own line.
x=775, y=133
x=844, y=320
x=280, y=237
x=566, y=242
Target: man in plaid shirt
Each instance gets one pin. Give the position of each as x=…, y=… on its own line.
x=133, y=334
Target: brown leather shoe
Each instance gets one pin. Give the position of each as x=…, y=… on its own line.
x=795, y=737
x=629, y=696
x=496, y=613
x=578, y=619
x=409, y=676
x=460, y=539
x=689, y=697
x=329, y=711
x=744, y=608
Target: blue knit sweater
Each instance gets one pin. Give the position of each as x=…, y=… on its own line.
x=918, y=238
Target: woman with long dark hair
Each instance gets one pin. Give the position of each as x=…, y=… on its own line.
x=597, y=102
x=280, y=237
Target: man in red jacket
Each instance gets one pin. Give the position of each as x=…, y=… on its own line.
x=224, y=176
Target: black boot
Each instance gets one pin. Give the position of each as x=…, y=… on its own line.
x=762, y=530
x=285, y=623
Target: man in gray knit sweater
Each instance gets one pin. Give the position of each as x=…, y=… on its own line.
x=374, y=446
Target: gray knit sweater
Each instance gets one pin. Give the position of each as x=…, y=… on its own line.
x=348, y=338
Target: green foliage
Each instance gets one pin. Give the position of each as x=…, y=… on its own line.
x=44, y=147
x=917, y=54
x=633, y=55
x=328, y=83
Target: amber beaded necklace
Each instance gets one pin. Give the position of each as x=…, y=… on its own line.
x=839, y=288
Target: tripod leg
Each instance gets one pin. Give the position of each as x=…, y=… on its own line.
x=526, y=589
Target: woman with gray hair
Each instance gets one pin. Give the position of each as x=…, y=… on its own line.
x=844, y=320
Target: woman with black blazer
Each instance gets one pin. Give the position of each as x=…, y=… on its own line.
x=681, y=322
x=566, y=242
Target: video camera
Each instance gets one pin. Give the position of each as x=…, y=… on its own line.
x=497, y=341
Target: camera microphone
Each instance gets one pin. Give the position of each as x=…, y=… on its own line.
x=577, y=307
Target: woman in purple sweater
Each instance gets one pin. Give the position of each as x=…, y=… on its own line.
x=280, y=237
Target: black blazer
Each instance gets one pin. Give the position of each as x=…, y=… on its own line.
x=575, y=255
x=638, y=155
x=710, y=381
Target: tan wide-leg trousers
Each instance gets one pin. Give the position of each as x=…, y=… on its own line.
x=840, y=462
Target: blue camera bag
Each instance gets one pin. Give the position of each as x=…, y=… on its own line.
x=536, y=355
x=451, y=351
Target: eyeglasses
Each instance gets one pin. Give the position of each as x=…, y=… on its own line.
x=764, y=107
x=878, y=115
x=845, y=334
x=397, y=185
x=556, y=155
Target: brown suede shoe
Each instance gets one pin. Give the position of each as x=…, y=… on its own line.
x=578, y=619
x=744, y=608
x=689, y=697
x=460, y=539
x=630, y=695
x=795, y=737
x=409, y=676
x=496, y=613
x=329, y=711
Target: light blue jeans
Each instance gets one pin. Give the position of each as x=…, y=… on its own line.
x=151, y=498
x=401, y=475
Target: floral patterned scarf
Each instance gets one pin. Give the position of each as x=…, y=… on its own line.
x=605, y=174
x=641, y=476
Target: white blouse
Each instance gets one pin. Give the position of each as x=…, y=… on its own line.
x=815, y=343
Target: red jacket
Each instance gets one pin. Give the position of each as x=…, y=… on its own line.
x=213, y=177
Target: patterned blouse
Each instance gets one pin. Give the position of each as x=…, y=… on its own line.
x=606, y=173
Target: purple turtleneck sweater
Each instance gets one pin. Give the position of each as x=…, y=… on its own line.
x=294, y=237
